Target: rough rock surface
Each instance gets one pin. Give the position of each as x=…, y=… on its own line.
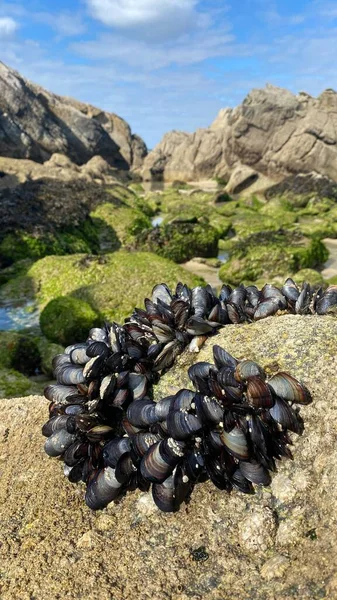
x=279, y=543
x=46, y=204
x=273, y=131
x=15, y=171
x=35, y=123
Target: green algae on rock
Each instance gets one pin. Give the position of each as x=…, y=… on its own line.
x=65, y=319
x=311, y=275
x=27, y=352
x=14, y=384
x=19, y=352
x=270, y=256
x=180, y=241
x=113, y=285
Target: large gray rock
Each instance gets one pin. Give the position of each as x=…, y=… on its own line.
x=280, y=543
x=35, y=124
x=273, y=132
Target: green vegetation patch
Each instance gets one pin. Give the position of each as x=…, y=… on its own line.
x=309, y=275
x=271, y=256
x=119, y=224
x=65, y=320
x=20, y=245
x=112, y=285
x=19, y=352
x=13, y=384
x=181, y=241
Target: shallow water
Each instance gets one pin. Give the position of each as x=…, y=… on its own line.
x=157, y=220
x=14, y=318
x=223, y=256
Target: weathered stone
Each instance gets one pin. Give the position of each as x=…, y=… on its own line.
x=35, y=124
x=273, y=132
x=52, y=546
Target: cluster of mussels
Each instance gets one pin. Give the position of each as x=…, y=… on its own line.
x=112, y=436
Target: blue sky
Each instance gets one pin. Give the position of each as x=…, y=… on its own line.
x=170, y=64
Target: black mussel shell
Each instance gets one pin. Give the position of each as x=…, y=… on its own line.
x=125, y=468
x=285, y=415
x=58, y=442
x=235, y=442
x=114, y=449
x=199, y=371
x=159, y=461
x=223, y=358
x=248, y=368
x=141, y=413
x=55, y=424
x=290, y=291
x=327, y=303
x=78, y=354
x=209, y=410
x=102, y=489
x=258, y=393
x=255, y=472
x=181, y=425
x=182, y=400
x=287, y=387
x=266, y=308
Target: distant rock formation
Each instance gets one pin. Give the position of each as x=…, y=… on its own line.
x=271, y=135
x=34, y=124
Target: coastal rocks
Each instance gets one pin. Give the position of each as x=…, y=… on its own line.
x=273, y=132
x=181, y=240
x=230, y=546
x=34, y=124
x=312, y=184
x=48, y=216
x=112, y=284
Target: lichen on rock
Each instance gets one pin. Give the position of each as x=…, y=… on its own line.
x=291, y=555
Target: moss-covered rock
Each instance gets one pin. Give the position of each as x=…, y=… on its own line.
x=332, y=280
x=309, y=275
x=66, y=319
x=47, y=351
x=20, y=352
x=181, y=241
x=20, y=245
x=196, y=204
x=113, y=285
x=271, y=257
x=14, y=384
x=119, y=225
x=136, y=187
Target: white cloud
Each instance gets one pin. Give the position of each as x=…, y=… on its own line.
x=130, y=13
x=148, y=19
x=187, y=50
x=66, y=24
x=7, y=27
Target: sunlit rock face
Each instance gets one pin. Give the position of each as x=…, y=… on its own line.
x=278, y=541
x=273, y=132
x=35, y=124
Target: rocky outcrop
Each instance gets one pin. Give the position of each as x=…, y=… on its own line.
x=273, y=132
x=16, y=171
x=279, y=543
x=35, y=123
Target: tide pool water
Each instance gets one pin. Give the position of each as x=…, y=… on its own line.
x=18, y=317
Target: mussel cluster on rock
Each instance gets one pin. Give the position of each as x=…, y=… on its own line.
x=112, y=436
